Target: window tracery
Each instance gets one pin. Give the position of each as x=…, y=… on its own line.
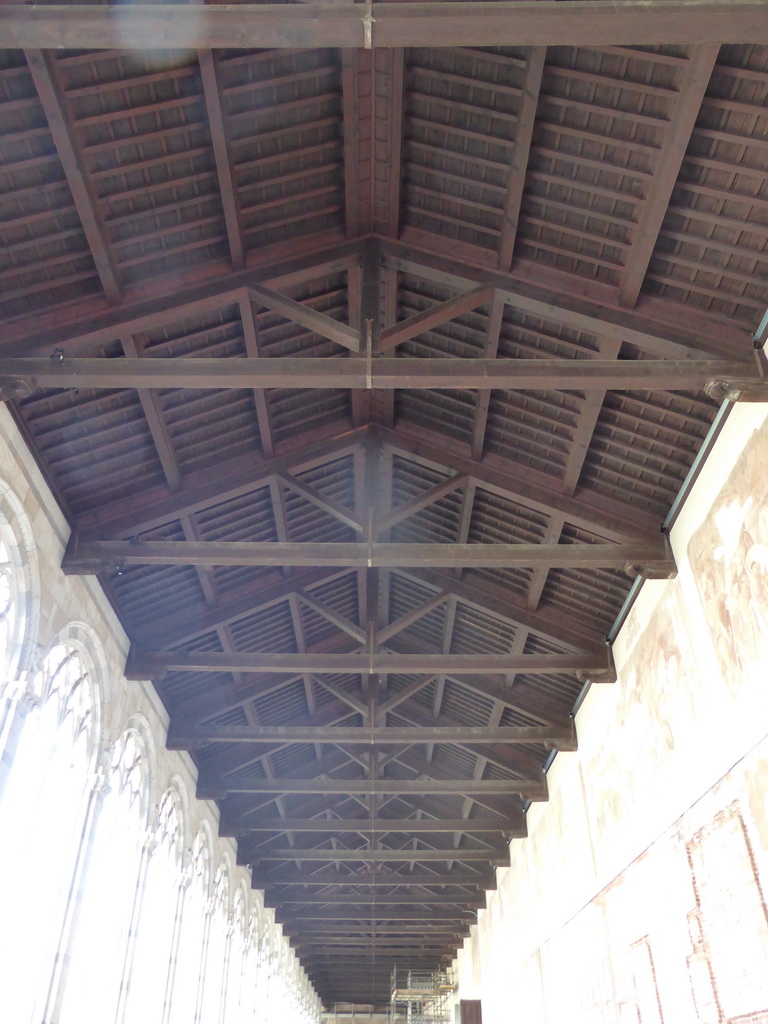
x=189, y=957
x=17, y=572
x=158, y=917
x=217, y=948
x=46, y=794
x=108, y=891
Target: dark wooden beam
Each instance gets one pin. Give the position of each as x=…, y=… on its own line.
x=558, y=738
x=152, y=664
x=483, y=399
x=300, y=372
x=96, y=555
x=212, y=705
x=533, y=789
x=260, y=396
x=245, y=26
x=354, y=109
x=236, y=760
x=387, y=899
x=360, y=960
x=526, y=117
x=677, y=134
x=325, y=504
x=213, y=486
x=223, y=156
x=589, y=414
x=410, y=690
x=571, y=309
x=43, y=69
x=305, y=876
x=439, y=939
x=508, y=757
x=500, y=603
x=380, y=826
x=426, y=320
x=396, y=515
x=239, y=603
x=305, y=316
x=349, y=914
x=387, y=97
x=358, y=956
x=362, y=932
x=385, y=634
x=606, y=518
x=489, y=855
x=153, y=413
x=79, y=334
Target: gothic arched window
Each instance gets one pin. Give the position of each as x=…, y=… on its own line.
x=16, y=575
x=237, y=980
x=108, y=891
x=216, y=951
x=189, y=956
x=158, y=917
x=45, y=802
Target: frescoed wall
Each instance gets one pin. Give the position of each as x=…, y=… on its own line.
x=639, y=896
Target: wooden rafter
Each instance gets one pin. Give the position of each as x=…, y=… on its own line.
x=153, y=413
x=357, y=138
x=609, y=520
x=664, y=338
x=209, y=74
x=387, y=99
x=260, y=398
x=434, y=316
x=200, y=489
x=676, y=138
x=325, y=504
x=499, y=602
x=483, y=401
x=307, y=317
x=43, y=69
x=247, y=600
x=523, y=135
x=77, y=333
x=589, y=413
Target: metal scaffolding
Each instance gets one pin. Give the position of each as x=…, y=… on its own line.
x=420, y=997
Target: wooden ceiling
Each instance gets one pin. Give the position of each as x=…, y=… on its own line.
x=366, y=378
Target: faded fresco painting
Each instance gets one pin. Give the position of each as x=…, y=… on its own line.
x=729, y=558
x=655, y=698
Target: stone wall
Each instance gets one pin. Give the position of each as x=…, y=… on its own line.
x=640, y=893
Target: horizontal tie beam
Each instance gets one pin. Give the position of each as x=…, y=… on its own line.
x=560, y=739
x=275, y=26
x=21, y=375
x=293, y=853
x=154, y=664
x=475, y=899
x=533, y=789
x=380, y=826
x=295, y=876
x=349, y=913
x=90, y=557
